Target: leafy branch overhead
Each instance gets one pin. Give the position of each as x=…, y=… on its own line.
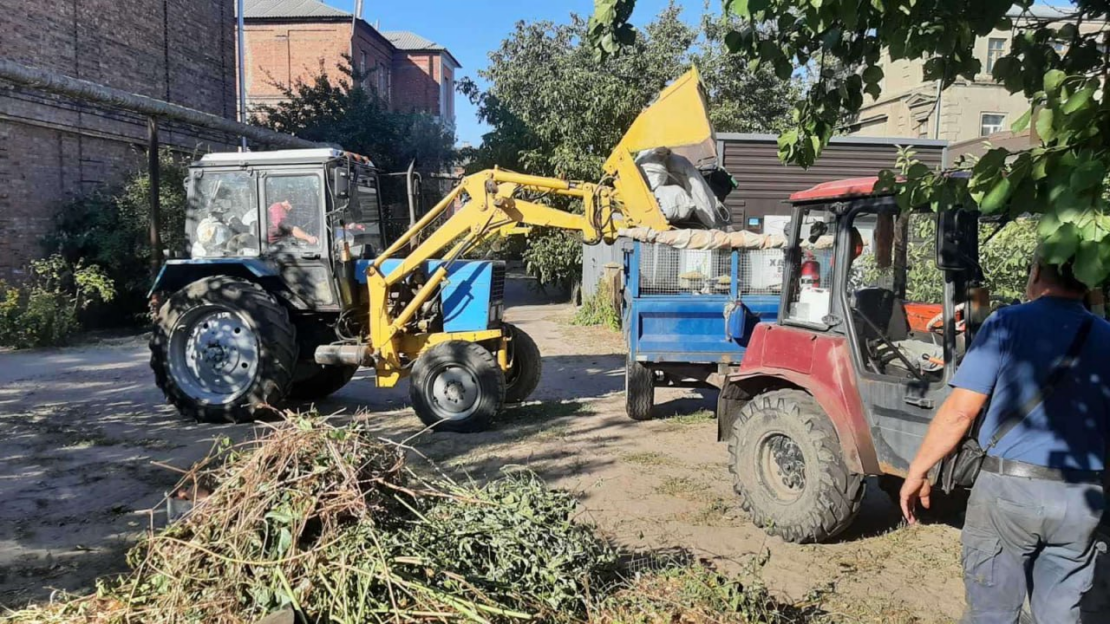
x=1057, y=58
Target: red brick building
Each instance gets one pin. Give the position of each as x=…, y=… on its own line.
x=54, y=149
x=289, y=40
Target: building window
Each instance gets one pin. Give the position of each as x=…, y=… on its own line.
x=996, y=47
x=989, y=123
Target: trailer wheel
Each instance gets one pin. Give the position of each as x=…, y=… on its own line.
x=457, y=386
x=527, y=365
x=639, y=389
x=221, y=348
x=786, y=465
x=313, y=381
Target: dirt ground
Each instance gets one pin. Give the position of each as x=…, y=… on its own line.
x=87, y=441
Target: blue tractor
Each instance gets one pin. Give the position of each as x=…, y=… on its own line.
x=268, y=276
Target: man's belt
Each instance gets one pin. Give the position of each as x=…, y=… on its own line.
x=1013, y=468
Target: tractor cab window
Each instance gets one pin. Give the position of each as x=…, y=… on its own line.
x=895, y=293
x=293, y=215
x=223, y=214
x=362, y=228
x=810, y=296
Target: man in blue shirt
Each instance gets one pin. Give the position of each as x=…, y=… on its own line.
x=1031, y=519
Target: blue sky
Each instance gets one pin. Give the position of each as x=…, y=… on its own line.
x=471, y=29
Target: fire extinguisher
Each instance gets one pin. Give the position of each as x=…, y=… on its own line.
x=810, y=276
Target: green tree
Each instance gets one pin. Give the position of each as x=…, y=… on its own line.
x=1054, y=60
x=346, y=113
x=556, y=109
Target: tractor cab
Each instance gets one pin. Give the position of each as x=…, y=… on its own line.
x=292, y=215
x=268, y=275
x=878, y=306
x=900, y=288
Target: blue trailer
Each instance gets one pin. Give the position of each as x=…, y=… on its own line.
x=687, y=315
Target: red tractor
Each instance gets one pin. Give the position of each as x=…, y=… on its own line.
x=877, y=308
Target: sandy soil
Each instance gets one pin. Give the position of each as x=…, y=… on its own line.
x=86, y=436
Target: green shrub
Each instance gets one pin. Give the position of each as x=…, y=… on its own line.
x=554, y=257
x=597, y=309
x=45, y=311
x=111, y=229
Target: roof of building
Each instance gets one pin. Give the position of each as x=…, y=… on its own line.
x=1043, y=11
x=412, y=42
x=290, y=9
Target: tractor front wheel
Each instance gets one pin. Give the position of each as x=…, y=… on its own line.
x=787, y=467
x=526, y=365
x=457, y=386
x=221, y=348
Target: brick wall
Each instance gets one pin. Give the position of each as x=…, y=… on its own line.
x=416, y=77
x=281, y=53
x=55, y=149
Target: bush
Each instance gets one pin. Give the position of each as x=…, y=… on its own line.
x=554, y=257
x=111, y=229
x=45, y=311
x=597, y=309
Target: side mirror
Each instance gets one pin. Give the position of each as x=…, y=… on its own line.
x=957, y=240
x=342, y=183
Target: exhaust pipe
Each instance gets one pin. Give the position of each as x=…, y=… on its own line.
x=344, y=355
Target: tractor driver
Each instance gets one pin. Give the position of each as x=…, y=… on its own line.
x=278, y=227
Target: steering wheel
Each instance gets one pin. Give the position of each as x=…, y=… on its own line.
x=936, y=324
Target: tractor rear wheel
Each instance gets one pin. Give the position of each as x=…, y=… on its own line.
x=313, y=381
x=526, y=365
x=221, y=348
x=787, y=466
x=639, y=389
x=457, y=386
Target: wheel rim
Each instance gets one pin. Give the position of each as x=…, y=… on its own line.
x=213, y=355
x=455, y=393
x=513, y=373
x=782, y=466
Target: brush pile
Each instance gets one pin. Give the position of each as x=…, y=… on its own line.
x=329, y=522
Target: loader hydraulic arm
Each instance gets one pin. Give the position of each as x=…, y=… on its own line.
x=491, y=206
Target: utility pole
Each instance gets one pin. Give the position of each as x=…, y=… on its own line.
x=936, y=114
x=242, y=72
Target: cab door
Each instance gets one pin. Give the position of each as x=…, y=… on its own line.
x=889, y=300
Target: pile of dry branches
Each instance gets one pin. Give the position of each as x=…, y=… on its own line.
x=329, y=522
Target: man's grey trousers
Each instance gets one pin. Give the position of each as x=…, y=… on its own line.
x=1037, y=539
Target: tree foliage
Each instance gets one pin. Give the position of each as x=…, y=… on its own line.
x=45, y=309
x=1055, y=59
x=348, y=111
x=554, y=108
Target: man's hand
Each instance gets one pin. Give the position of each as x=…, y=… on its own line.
x=913, y=489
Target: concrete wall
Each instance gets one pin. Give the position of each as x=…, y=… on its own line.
x=54, y=149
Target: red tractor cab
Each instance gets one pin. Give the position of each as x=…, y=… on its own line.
x=846, y=382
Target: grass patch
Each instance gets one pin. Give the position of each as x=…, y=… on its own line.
x=697, y=593
x=696, y=418
x=685, y=488
x=714, y=513
x=658, y=460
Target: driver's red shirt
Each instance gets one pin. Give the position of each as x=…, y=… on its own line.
x=275, y=229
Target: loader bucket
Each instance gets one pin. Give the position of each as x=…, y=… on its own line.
x=678, y=119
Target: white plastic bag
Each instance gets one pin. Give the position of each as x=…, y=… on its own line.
x=675, y=203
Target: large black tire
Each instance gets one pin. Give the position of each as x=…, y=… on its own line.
x=312, y=381
x=249, y=350
x=787, y=466
x=457, y=386
x=526, y=365
x=639, y=389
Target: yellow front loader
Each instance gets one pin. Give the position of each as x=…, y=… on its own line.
x=462, y=377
